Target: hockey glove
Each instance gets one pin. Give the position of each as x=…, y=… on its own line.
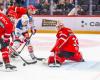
x=27, y=41
x=4, y=43
x=33, y=31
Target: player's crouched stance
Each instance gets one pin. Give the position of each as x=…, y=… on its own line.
x=6, y=29
x=22, y=36
x=66, y=47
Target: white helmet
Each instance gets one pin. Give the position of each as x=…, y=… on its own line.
x=59, y=24
x=24, y=18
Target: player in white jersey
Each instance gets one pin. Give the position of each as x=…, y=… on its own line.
x=22, y=36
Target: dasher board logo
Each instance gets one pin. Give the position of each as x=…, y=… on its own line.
x=90, y=24
x=49, y=23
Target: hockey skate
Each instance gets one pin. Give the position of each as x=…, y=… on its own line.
x=10, y=67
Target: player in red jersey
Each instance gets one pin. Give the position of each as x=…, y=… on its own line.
x=6, y=28
x=12, y=15
x=19, y=10
x=31, y=10
x=66, y=47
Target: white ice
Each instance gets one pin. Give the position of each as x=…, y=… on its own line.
x=43, y=43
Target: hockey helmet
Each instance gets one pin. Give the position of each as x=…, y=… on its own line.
x=31, y=7
x=59, y=24
x=12, y=13
x=24, y=18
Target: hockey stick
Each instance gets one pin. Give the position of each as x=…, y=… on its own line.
x=40, y=59
x=25, y=62
x=25, y=44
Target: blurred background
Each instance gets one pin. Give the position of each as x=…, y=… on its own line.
x=57, y=7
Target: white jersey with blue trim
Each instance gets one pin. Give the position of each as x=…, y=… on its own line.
x=21, y=29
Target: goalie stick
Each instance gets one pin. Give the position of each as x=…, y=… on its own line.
x=55, y=61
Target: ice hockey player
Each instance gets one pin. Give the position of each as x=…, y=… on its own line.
x=66, y=47
x=12, y=15
x=31, y=10
x=22, y=36
x=6, y=28
x=75, y=11
x=19, y=10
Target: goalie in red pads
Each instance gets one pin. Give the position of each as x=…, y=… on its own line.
x=66, y=47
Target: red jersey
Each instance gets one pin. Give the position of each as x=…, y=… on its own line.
x=66, y=41
x=6, y=27
x=19, y=10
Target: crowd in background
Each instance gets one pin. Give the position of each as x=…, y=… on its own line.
x=58, y=7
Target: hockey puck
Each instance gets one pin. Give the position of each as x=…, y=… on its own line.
x=24, y=64
x=44, y=61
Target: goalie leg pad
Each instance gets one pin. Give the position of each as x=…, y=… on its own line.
x=58, y=59
x=77, y=57
x=65, y=54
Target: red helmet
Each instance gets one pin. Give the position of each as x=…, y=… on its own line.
x=11, y=8
x=32, y=7
x=12, y=14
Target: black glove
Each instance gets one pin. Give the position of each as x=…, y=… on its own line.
x=27, y=41
x=4, y=43
x=33, y=31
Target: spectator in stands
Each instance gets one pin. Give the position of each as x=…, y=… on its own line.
x=2, y=9
x=75, y=10
x=69, y=5
x=18, y=2
x=21, y=2
x=24, y=3
x=61, y=4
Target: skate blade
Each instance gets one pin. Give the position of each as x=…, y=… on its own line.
x=2, y=69
x=10, y=70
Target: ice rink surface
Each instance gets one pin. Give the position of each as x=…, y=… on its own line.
x=43, y=43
